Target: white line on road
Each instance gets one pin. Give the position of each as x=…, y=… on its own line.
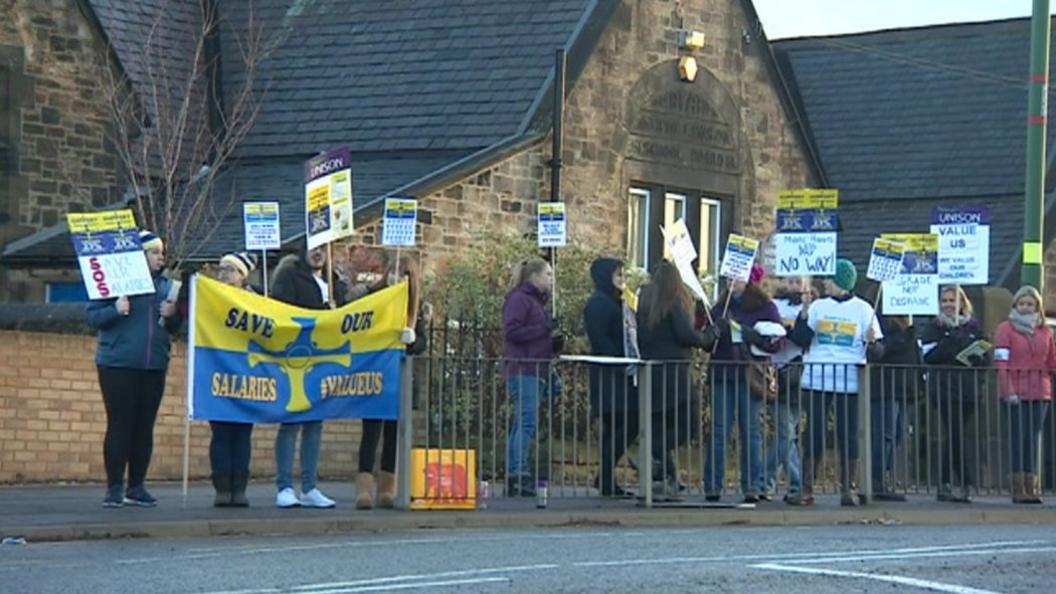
x=907, y=556
x=891, y=579
x=390, y=588
x=423, y=576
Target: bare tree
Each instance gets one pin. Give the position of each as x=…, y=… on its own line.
x=175, y=128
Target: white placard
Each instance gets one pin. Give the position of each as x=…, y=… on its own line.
x=328, y=197
x=912, y=295
x=800, y=254
x=109, y=254
x=737, y=261
x=553, y=228
x=885, y=260
x=964, y=245
x=399, y=222
x=260, y=220
x=683, y=253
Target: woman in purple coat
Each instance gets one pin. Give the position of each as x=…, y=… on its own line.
x=528, y=344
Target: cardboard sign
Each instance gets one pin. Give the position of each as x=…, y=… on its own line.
x=443, y=479
x=808, y=199
x=683, y=253
x=805, y=243
x=915, y=290
x=964, y=244
x=799, y=254
x=885, y=260
x=737, y=261
x=260, y=220
x=553, y=230
x=399, y=222
x=109, y=254
x=328, y=197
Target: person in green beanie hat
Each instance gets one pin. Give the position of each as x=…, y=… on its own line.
x=836, y=331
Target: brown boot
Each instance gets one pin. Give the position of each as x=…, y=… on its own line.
x=386, y=489
x=1018, y=489
x=364, y=490
x=1031, y=488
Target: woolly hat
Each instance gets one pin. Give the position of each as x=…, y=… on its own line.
x=846, y=276
x=241, y=261
x=757, y=274
x=150, y=241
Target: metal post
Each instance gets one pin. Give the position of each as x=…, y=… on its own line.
x=865, y=442
x=1034, y=200
x=560, y=66
x=186, y=457
x=645, y=434
x=404, y=434
x=264, y=271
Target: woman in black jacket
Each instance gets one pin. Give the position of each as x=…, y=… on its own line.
x=374, y=430
x=611, y=329
x=895, y=382
x=666, y=334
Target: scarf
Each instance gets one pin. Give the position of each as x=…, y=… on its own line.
x=951, y=321
x=1024, y=323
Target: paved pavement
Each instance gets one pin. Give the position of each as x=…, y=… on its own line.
x=761, y=560
x=73, y=512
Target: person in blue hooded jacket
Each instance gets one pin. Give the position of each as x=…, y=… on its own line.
x=132, y=357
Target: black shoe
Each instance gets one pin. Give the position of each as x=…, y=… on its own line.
x=140, y=497
x=850, y=499
x=751, y=498
x=799, y=500
x=764, y=497
x=610, y=489
x=114, y=498
x=520, y=486
x=712, y=497
x=239, y=482
x=889, y=496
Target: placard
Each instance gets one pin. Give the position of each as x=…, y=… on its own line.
x=915, y=290
x=553, y=230
x=885, y=260
x=110, y=254
x=806, y=241
x=328, y=197
x=737, y=261
x=964, y=244
x=683, y=253
x=800, y=254
x=399, y=222
x=260, y=220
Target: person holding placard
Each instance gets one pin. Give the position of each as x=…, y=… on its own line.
x=733, y=392
x=416, y=338
x=955, y=346
x=132, y=358
x=231, y=446
x=836, y=331
x=1025, y=357
x=299, y=280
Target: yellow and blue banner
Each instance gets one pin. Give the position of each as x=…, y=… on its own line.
x=256, y=360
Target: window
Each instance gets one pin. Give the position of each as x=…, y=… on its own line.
x=674, y=209
x=710, y=249
x=638, y=227
x=65, y=292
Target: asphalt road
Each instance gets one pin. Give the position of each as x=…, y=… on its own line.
x=837, y=559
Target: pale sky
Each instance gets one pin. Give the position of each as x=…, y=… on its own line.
x=797, y=18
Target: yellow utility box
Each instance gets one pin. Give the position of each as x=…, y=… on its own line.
x=443, y=479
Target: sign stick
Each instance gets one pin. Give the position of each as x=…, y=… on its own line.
x=330, y=274
x=264, y=270
x=186, y=456
x=957, y=295
x=729, y=294
x=553, y=292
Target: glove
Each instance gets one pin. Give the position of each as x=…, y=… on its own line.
x=711, y=336
x=723, y=326
x=751, y=336
x=554, y=323
x=558, y=343
x=407, y=336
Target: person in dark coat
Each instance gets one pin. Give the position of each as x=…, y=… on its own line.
x=300, y=280
x=375, y=430
x=132, y=357
x=895, y=382
x=666, y=335
x=610, y=327
x=528, y=345
x=954, y=388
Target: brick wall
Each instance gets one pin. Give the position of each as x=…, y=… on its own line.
x=52, y=419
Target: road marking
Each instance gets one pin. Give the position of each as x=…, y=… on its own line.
x=403, y=578
x=899, y=557
x=492, y=580
x=891, y=579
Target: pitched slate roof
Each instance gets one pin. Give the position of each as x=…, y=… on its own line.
x=906, y=118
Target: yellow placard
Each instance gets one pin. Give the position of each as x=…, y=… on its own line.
x=551, y=208
x=808, y=198
x=400, y=206
x=889, y=246
x=443, y=479
x=745, y=243
x=914, y=242
x=97, y=222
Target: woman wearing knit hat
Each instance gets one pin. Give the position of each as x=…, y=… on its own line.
x=230, y=447
x=132, y=358
x=836, y=331
x=1025, y=357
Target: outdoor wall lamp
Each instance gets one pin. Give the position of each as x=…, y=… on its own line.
x=687, y=68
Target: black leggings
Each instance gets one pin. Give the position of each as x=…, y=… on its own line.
x=368, y=446
x=132, y=398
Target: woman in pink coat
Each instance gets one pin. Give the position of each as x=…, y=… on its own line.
x=1025, y=357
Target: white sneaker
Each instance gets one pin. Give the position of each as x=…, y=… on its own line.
x=315, y=498
x=287, y=498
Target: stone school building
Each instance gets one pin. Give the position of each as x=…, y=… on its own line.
x=674, y=109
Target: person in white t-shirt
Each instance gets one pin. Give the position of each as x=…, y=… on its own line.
x=836, y=331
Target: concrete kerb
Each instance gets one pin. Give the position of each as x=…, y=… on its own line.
x=378, y=522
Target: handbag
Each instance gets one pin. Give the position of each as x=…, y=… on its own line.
x=762, y=377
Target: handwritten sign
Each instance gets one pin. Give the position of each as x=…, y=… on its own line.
x=328, y=197
x=683, y=253
x=553, y=230
x=737, y=261
x=885, y=260
x=964, y=244
x=260, y=221
x=399, y=222
x=109, y=254
x=915, y=290
x=805, y=243
x=801, y=254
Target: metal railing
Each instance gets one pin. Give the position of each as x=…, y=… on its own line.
x=668, y=431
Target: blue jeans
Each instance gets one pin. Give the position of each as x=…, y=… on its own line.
x=886, y=432
x=1026, y=421
x=784, y=447
x=523, y=392
x=729, y=398
x=311, y=438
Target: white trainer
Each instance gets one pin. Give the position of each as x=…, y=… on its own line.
x=287, y=498
x=315, y=498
